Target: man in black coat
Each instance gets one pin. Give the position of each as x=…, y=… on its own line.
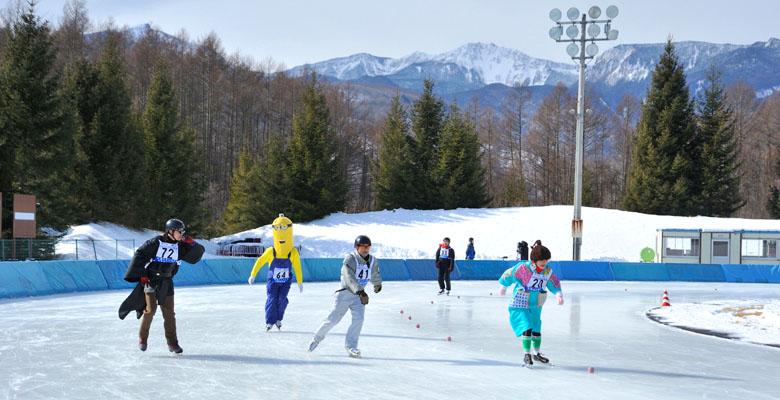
x=153, y=266
x=445, y=262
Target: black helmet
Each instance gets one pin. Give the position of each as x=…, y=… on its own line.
x=174, y=224
x=362, y=239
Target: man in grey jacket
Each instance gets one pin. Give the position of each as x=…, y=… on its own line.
x=357, y=270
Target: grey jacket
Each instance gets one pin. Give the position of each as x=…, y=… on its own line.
x=354, y=280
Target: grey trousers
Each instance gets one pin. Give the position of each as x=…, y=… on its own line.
x=343, y=301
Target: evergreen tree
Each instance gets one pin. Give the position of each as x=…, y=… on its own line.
x=394, y=171
x=36, y=131
x=116, y=147
x=513, y=192
x=459, y=176
x=663, y=176
x=177, y=179
x=773, y=203
x=427, y=115
x=316, y=176
x=719, y=180
x=238, y=214
x=258, y=192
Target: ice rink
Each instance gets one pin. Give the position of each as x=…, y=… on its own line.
x=75, y=347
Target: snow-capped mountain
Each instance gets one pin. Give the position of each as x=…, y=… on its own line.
x=475, y=68
x=468, y=67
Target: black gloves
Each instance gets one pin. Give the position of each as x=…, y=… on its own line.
x=377, y=288
x=363, y=296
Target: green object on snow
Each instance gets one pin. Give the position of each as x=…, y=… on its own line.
x=647, y=254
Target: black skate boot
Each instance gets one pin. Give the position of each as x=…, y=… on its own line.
x=542, y=359
x=527, y=361
x=175, y=349
x=441, y=292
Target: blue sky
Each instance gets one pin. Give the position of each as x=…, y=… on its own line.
x=295, y=32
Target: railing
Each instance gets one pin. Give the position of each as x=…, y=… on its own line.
x=66, y=249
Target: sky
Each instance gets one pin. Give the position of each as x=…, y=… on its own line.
x=297, y=32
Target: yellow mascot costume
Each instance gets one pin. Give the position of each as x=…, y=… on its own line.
x=281, y=258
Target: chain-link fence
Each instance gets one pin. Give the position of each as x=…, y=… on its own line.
x=66, y=249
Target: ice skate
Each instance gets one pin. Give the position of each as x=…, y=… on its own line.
x=313, y=345
x=279, y=325
x=441, y=292
x=448, y=293
x=353, y=352
x=175, y=349
x=542, y=359
x=527, y=362
x=142, y=344
x=268, y=327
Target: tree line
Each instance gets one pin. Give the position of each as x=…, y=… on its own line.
x=107, y=127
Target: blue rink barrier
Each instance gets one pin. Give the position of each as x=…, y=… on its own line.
x=35, y=278
x=582, y=270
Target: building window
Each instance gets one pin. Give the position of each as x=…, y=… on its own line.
x=759, y=248
x=681, y=247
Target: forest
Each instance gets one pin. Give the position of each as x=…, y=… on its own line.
x=104, y=124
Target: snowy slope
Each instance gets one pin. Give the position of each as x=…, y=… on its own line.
x=608, y=234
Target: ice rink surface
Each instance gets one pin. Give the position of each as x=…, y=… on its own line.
x=75, y=347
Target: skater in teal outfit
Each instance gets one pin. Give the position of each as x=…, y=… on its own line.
x=533, y=279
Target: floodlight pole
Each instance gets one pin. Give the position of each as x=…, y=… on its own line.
x=576, y=223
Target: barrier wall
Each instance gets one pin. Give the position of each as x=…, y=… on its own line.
x=36, y=278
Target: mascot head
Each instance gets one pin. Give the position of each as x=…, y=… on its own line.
x=283, y=235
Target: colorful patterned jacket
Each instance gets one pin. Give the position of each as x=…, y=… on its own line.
x=531, y=288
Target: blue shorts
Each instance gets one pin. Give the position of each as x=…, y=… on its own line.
x=523, y=319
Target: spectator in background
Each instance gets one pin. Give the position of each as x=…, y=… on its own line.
x=470, y=250
x=522, y=250
x=445, y=262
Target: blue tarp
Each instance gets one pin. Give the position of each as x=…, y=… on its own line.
x=582, y=270
x=483, y=269
x=624, y=271
x=73, y=276
x=752, y=273
x=394, y=269
x=696, y=272
x=114, y=273
x=233, y=269
x=321, y=269
x=23, y=278
x=32, y=278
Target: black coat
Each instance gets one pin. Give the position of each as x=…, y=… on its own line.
x=160, y=274
x=445, y=262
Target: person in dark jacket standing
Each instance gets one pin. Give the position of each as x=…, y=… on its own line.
x=470, y=253
x=522, y=250
x=445, y=262
x=153, y=266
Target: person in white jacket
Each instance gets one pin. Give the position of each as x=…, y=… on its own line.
x=358, y=269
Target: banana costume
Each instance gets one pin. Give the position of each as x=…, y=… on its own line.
x=281, y=258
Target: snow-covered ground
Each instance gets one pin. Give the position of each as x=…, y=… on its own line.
x=609, y=235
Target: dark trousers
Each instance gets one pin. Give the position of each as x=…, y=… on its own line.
x=277, y=301
x=168, y=315
x=444, y=277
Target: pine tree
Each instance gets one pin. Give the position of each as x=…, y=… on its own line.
x=394, y=170
x=177, y=178
x=459, y=175
x=427, y=115
x=662, y=179
x=719, y=180
x=116, y=147
x=773, y=203
x=316, y=177
x=238, y=213
x=36, y=129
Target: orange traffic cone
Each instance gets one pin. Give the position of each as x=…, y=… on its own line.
x=665, y=301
